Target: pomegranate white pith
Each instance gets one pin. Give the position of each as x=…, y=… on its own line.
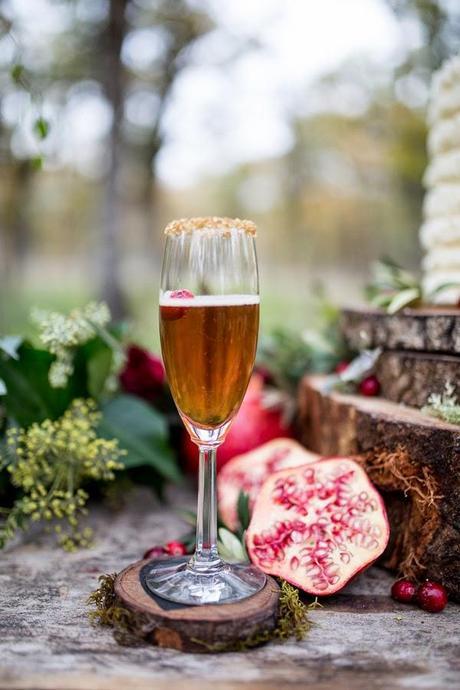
x=318, y=525
x=248, y=472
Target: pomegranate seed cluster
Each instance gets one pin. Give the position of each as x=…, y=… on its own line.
x=248, y=472
x=335, y=518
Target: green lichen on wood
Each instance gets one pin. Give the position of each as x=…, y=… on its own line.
x=444, y=406
x=132, y=629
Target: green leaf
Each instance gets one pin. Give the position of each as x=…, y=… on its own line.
x=17, y=72
x=230, y=547
x=243, y=509
x=142, y=432
x=30, y=397
x=10, y=344
x=41, y=127
x=98, y=357
x=37, y=162
x=403, y=299
x=188, y=516
x=440, y=288
x=3, y=390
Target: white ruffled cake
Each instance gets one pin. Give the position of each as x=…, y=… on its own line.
x=440, y=232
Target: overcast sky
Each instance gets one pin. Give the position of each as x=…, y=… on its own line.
x=218, y=117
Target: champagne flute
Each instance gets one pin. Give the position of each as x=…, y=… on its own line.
x=209, y=322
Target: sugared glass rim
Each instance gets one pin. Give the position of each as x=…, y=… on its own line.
x=221, y=225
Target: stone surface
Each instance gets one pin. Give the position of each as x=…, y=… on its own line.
x=361, y=639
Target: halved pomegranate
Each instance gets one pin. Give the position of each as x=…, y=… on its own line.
x=318, y=525
x=248, y=472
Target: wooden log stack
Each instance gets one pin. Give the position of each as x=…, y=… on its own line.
x=413, y=458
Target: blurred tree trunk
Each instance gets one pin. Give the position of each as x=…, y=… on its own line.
x=15, y=217
x=113, y=79
x=184, y=26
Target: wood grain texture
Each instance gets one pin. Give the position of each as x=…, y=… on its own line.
x=361, y=639
x=333, y=423
x=197, y=628
x=410, y=377
x=426, y=330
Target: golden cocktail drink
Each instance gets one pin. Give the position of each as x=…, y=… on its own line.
x=209, y=345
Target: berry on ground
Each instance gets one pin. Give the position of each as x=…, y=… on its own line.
x=175, y=548
x=369, y=386
x=431, y=596
x=403, y=591
x=155, y=552
x=341, y=367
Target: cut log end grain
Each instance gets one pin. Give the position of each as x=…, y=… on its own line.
x=199, y=628
x=423, y=330
x=411, y=377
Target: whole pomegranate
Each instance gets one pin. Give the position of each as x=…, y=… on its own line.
x=318, y=525
x=431, y=596
x=254, y=424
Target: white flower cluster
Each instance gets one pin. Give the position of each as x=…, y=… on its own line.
x=440, y=232
x=60, y=334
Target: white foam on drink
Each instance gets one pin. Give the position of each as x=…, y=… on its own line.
x=208, y=300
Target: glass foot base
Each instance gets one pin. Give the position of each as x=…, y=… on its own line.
x=176, y=580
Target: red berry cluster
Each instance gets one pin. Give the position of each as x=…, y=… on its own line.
x=430, y=596
x=172, y=548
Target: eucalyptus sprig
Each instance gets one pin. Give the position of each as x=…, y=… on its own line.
x=392, y=287
x=49, y=463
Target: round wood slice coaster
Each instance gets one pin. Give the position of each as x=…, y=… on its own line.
x=205, y=628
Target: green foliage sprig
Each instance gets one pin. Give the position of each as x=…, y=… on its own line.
x=289, y=355
x=392, y=288
x=61, y=334
x=444, y=406
x=50, y=463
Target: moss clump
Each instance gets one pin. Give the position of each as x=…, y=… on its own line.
x=292, y=621
x=132, y=629
x=129, y=628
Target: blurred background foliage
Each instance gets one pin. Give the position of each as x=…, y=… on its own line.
x=118, y=115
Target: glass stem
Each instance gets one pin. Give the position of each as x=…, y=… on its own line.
x=206, y=554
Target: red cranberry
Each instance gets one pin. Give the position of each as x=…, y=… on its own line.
x=431, y=596
x=155, y=552
x=341, y=367
x=403, y=591
x=175, y=548
x=369, y=386
x=170, y=313
x=182, y=294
